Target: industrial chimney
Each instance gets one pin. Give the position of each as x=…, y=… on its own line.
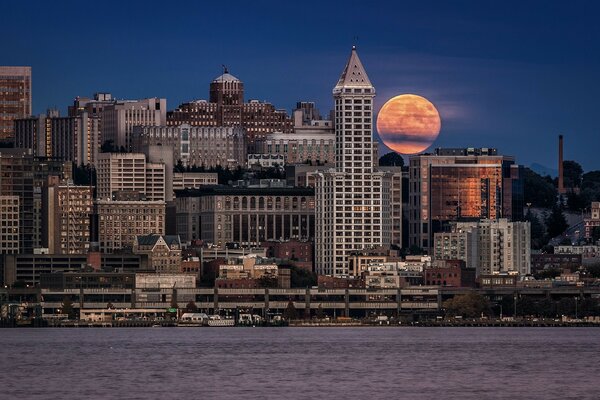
x=561, y=184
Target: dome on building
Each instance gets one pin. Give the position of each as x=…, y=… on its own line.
x=226, y=77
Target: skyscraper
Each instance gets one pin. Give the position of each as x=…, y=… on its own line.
x=460, y=185
x=349, y=205
x=15, y=98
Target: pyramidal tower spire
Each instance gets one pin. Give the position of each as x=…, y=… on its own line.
x=354, y=74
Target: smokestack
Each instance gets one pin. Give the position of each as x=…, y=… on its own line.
x=561, y=186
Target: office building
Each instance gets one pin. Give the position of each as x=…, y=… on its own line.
x=489, y=246
x=130, y=172
x=460, y=185
x=350, y=204
x=226, y=107
x=15, y=98
x=121, y=221
x=245, y=215
x=196, y=145
x=299, y=148
x=193, y=180
x=119, y=118
x=23, y=175
x=66, y=217
x=73, y=138
x=9, y=224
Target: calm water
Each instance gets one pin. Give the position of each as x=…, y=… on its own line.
x=303, y=363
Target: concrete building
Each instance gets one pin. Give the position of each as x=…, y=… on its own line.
x=226, y=108
x=490, y=246
x=67, y=214
x=196, y=145
x=194, y=180
x=449, y=273
x=460, y=185
x=393, y=177
x=73, y=138
x=163, y=252
x=23, y=175
x=245, y=215
x=120, y=222
x=297, y=148
x=15, y=98
x=351, y=206
x=130, y=172
x=119, y=118
x=9, y=224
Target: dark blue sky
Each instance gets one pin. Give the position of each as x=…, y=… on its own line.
x=511, y=75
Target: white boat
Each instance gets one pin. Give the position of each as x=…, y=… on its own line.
x=217, y=320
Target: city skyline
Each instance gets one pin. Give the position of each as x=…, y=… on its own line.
x=499, y=80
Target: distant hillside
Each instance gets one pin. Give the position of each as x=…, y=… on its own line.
x=543, y=170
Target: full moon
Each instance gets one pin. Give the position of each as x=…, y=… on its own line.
x=408, y=124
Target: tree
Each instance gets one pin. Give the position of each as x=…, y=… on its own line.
x=391, y=159
x=556, y=222
x=267, y=281
x=300, y=277
x=67, y=307
x=290, y=312
x=84, y=175
x=572, y=173
x=593, y=270
x=470, y=305
x=191, y=307
x=537, y=230
x=549, y=273
x=320, y=313
x=108, y=147
x=538, y=191
x=596, y=234
x=179, y=166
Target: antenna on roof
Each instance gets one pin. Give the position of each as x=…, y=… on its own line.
x=354, y=44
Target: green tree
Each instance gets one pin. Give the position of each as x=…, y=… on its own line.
x=593, y=270
x=391, y=159
x=67, y=307
x=320, y=313
x=556, y=222
x=549, y=273
x=300, y=277
x=538, y=232
x=267, y=281
x=290, y=312
x=191, y=307
x=572, y=173
x=538, y=191
x=596, y=234
x=470, y=305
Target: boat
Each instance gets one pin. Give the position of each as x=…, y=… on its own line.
x=217, y=320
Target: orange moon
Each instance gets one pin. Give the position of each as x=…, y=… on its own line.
x=408, y=124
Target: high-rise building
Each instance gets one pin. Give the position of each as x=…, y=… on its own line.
x=489, y=246
x=226, y=107
x=9, y=224
x=15, y=98
x=23, y=175
x=67, y=213
x=460, y=185
x=129, y=172
x=121, y=221
x=74, y=138
x=196, y=145
x=350, y=206
x=119, y=118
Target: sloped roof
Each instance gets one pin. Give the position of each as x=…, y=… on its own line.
x=150, y=240
x=226, y=77
x=354, y=74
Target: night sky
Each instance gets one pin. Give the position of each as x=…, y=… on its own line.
x=511, y=75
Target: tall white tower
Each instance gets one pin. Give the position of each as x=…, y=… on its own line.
x=349, y=198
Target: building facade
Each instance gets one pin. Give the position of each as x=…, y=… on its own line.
x=73, y=138
x=130, y=172
x=15, y=98
x=460, y=185
x=350, y=199
x=66, y=220
x=226, y=107
x=119, y=118
x=196, y=145
x=120, y=222
x=193, y=180
x=163, y=252
x=298, y=148
x=245, y=215
x=9, y=224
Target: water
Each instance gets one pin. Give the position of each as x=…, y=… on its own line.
x=300, y=363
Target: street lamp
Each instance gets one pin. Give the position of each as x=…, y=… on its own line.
x=576, y=299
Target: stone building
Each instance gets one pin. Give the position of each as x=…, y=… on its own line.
x=15, y=98
x=163, y=252
x=245, y=215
